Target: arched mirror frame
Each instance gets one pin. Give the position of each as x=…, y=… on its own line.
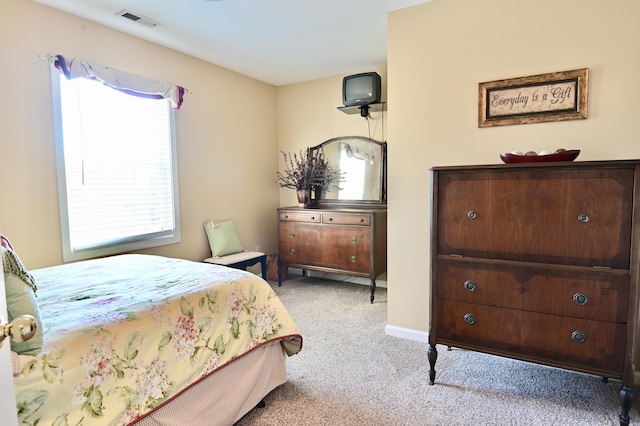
x=379, y=179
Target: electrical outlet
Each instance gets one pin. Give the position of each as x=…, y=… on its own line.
x=258, y=248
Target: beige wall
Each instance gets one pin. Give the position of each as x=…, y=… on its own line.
x=439, y=52
x=226, y=134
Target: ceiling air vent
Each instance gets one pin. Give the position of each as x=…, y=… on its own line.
x=137, y=18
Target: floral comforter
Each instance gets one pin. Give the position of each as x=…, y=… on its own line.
x=123, y=334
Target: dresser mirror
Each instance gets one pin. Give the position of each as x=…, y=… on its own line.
x=362, y=164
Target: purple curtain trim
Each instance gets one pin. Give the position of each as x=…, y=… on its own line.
x=61, y=64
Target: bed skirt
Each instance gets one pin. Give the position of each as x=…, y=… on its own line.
x=230, y=393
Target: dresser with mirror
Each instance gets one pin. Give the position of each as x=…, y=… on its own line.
x=345, y=232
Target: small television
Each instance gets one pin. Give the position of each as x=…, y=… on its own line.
x=361, y=89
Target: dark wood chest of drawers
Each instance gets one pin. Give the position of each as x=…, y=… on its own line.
x=347, y=241
x=539, y=262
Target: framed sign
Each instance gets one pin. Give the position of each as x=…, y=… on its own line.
x=540, y=98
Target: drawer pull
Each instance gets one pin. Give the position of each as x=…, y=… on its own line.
x=353, y=258
x=292, y=251
x=471, y=214
x=583, y=218
x=469, y=285
x=292, y=235
x=354, y=240
x=470, y=319
x=313, y=218
x=286, y=216
x=361, y=220
x=578, y=336
x=580, y=298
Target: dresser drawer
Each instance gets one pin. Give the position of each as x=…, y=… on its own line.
x=599, y=296
x=310, y=217
x=533, y=335
x=346, y=237
x=561, y=215
x=346, y=219
x=354, y=259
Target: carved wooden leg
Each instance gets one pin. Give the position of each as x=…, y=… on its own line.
x=432, y=354
x=373, y=289
x=279, y=274
x=626, y=395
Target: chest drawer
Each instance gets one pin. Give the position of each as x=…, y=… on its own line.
x=564, y=216
x=571, y=342
x=601, y=296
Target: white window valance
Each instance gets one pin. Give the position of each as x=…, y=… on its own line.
x=120, y=80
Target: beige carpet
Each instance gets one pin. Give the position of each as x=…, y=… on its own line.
x=350, y=373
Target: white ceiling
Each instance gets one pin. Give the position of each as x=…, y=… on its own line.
x=275, y=41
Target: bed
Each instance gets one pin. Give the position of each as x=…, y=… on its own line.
x=149, y=340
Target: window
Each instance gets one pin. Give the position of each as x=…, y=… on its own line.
x=117, y=171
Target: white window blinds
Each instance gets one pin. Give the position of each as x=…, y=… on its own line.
x=117, y=172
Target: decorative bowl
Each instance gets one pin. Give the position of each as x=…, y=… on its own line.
x=568, y=155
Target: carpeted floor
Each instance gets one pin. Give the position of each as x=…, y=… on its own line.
x=350, y=373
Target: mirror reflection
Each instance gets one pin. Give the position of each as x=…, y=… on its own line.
x=361, y=164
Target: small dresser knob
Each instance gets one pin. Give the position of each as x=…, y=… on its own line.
x=469, y=285
x=578, y=336
x=353, y=258
x=292, y=251
x=471, y=214
x=580, y=298
x=292, y=235
x=330, y=219
x=354, y=240
x=470, y=319
x=583, y=218
x=313, y=218
x=361, y=220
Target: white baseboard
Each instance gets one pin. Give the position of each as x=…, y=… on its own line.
x=407, y=333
